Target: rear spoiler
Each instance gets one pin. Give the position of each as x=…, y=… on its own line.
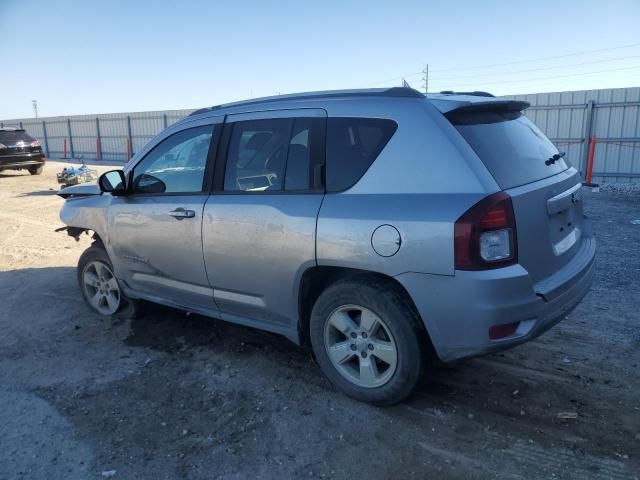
x=494, y=106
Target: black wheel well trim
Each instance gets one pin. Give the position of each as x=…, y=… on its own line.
x=76, y=232
x=97, y=241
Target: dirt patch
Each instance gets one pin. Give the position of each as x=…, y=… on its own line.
x=181, y=396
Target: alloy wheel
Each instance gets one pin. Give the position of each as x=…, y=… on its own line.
x=101, y=287
x=360, y=346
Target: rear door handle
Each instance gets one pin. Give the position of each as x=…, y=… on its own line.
x=180, y=213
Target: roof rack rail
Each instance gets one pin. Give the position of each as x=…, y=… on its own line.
x=375, y=92
x=476, y=93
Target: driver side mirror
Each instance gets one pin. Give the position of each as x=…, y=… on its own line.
x=112, y=182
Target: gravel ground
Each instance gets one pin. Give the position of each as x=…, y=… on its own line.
x=175, y=396
x=622, y=187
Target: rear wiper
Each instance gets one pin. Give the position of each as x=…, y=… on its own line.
x=554, y=158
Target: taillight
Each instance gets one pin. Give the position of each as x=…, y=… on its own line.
x=35, y=143
x=485, y=235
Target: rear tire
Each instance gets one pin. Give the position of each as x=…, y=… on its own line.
x=36, y=170
x=99, y=286
x=368, y=340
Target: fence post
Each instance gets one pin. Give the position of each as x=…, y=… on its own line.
x=130, y=143
x=586, y=138
x=46, y=140
x=164, y=120
x=590, y=158
x=98, y=140
x=21, y=125
x=70, y=137
x=64, y=152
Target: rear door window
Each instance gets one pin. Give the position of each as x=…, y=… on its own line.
x=352, y=146
x=256, y=155
x=512, y=148
x=276, y=154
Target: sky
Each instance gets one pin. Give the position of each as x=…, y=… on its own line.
x=77, y=57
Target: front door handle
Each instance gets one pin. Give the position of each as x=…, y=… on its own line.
x=180, y=213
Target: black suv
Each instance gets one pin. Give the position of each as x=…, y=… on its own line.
x=18, y=150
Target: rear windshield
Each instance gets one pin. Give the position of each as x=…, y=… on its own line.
x=11, y=137
x=512, y=148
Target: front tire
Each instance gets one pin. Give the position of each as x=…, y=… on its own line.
x=368, y=340
x=99, y=286
x=36, y=170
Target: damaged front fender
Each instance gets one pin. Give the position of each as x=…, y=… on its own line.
x=74, y=232
x=83, y=213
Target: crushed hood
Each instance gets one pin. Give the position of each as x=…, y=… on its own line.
x=80, y=190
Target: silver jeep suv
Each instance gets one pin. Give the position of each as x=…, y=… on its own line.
x=384, y=227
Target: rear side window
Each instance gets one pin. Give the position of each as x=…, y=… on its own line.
x=11, y=137
x=352, y=146
x=512, y=148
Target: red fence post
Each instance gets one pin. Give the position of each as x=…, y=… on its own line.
x=592, y=152
x=65, y=148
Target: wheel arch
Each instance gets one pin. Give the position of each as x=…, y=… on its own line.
x=316, y=279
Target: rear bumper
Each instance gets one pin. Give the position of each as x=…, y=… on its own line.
x=459, y=310
x=21, y=161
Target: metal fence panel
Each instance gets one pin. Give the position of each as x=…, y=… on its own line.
x=114, y=136
x=569, y=119
x=615, y=122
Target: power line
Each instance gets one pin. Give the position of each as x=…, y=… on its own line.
x=541, y=68
x=623, y=79
x=542, y=78
x=565, y=84
x=540, y=58
x=421, y=72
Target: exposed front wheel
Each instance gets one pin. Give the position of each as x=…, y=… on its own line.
x=367, y=340
x=36, y=170
x=99, y=285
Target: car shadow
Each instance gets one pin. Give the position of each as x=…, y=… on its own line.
x=34, y=296
x=39, y=193
x=171, y=330
x=46, y=299
x=14, y=173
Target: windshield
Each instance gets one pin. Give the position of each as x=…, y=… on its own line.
x=512, y=148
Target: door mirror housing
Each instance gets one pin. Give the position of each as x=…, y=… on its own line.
x=113, y=182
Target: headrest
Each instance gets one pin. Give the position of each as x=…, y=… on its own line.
x=258, y=140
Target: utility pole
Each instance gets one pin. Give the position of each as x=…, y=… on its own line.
x=35, y=107
x=426, y=78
